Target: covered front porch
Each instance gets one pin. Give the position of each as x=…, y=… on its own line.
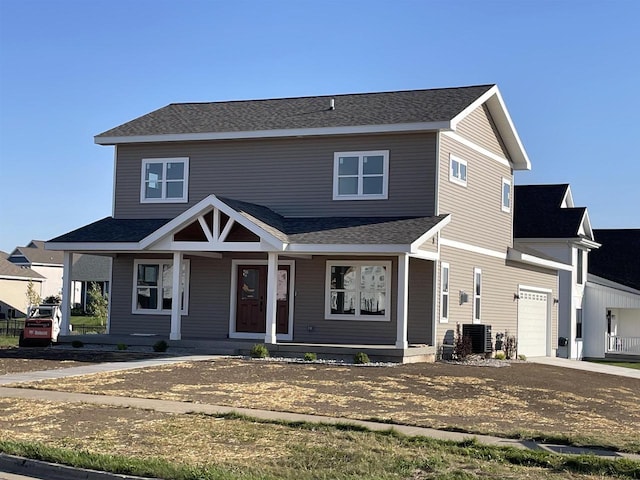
x=247, y=275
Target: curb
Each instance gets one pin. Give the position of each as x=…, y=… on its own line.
x=54, y=471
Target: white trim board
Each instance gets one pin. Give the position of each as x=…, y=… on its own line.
x=472, y=248
x=477, y=148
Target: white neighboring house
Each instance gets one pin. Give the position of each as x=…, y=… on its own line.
x=14, y=281
x=49, y=265
x=547, y=221
x=612, y=297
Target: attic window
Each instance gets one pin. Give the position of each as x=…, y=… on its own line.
x=164, y=180
x=360, y=175
x=458, y=171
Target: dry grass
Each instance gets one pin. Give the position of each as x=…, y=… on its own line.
x=597, y=415
x=247, y=449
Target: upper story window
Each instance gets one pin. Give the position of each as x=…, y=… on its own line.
x=360, y=175
x=358, y=290
x=458, y=170
x=506, y=195
x=164, y=180
x=580, y=267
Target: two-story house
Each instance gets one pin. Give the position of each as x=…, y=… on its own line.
x=377, y=219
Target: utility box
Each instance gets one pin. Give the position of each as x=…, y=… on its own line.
x=480, y=335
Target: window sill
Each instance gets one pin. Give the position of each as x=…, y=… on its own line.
x=155, y=312
x=372, y=318
x=164, y=200
x=361, y=197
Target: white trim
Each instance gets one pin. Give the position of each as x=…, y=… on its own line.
x=506, y=181
x=176, y=310
x=472, y=248
x=270, y=335
x=444, y=265
x=360, y=175
x=160, y=262
x=113, y=187
x=202, y=207
x=478, y=149
x=603, y=282
x=26, y=279
x=163, y=198
x=67, y=283
x=415, y=245
x=288, y=132
x=549, y=320
x=402, y=302
x=351, y=248
x=425, y=255
x=235, y=262
x=458, y=180
x=358, y=263
x=535, y=289
x=477, y=316
x=436, y=190
x=94, y=246
x=515, y=255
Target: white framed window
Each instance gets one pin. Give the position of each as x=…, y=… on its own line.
x=477, y=295
x=506, y=195
x=358, y=290
x=153, y=289
x=164, y=180
x=361, y=175
x=458, y=170
x=444, y=292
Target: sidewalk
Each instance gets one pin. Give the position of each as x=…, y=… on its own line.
x=588, y=366
x=168, y=406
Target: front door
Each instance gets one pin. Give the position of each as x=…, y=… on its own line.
x=251, y=310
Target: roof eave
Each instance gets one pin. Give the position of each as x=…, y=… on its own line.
x=292, y=132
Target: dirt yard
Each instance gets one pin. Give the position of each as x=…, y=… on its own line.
x=526, y=399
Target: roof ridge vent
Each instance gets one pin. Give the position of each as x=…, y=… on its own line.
x=332, y=104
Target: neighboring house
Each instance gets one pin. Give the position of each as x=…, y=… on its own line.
x=14, y=281
x=376, y=220
x=612, y=312
x=49, y=265
x=547, y=220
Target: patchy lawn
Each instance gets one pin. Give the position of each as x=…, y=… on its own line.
x=635, y=365
x=169, y=446
x=523, y=400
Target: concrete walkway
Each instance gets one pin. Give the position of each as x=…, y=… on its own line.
x=168, y=406
x=587, y=366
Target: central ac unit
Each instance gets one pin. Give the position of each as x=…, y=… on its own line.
x=480, y=335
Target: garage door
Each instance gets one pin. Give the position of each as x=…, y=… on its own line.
x=532, y=323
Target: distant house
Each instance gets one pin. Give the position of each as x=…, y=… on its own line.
x=547, y=220
x=380, y=220
x=14, y=281
x=612, y=311
x=49, y=265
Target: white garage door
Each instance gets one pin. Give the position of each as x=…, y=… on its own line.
x=532, y=324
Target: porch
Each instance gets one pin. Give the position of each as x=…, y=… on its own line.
x=617, y=345
x=325, y=351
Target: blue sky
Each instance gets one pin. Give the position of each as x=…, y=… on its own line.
x=569, y=72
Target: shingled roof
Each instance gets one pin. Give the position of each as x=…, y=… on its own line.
x=9, y=270
x=538, y=212
x=617, y=259
x=397, y=230
x=384, y=108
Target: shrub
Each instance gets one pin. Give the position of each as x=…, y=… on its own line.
x=77, y=311
x=462, y=346
x=160, y=346
x=97, y=303
x=55, y=299
x=510, y=345
x=310, y=357
x=77, y=344
x=361, y=358
x=522, y=357
x=259, y=351
x=122, y=346
x=500, y=356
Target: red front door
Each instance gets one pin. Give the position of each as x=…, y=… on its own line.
x=251, y=311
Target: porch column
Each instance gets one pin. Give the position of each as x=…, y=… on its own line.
x=176, y=318
x=272, y=288
x=67, y=285
x=403, y=301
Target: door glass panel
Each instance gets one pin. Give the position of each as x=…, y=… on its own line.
x=283, y=285
x=250, y=283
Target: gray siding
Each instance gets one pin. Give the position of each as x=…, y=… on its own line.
x=292, y=176
x=500, y=280
x=478, y=127
x=209, y=300
x=477, y=216
x=420, y=315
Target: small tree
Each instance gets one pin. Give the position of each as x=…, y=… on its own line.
x=97, y=304
x=462, y=346
x=33, y=298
